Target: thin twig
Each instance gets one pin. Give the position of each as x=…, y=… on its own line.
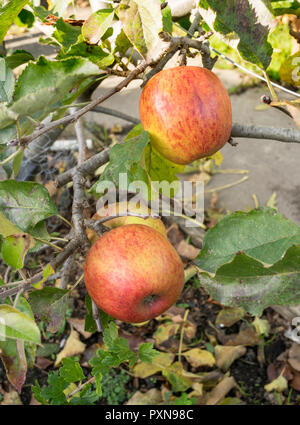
x=182, y=334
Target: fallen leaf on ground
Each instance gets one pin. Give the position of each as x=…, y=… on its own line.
x=165, y=331
x=151, y=397
x=197, y=390
x=43, y=363
x=262, y=326
x=170, y=313
x=295, y=382
x=187, y=250
x=294, y=356
x=175, y=376
x=279, y=384
x=73, y=347
x=229, y=316
x=78, y=324
x=89, y=353
x=231, y=401
x=11, y=398
x=226, y=355
x=220, y=391
x=247, y=337
x=159, y=363
x=197, y=357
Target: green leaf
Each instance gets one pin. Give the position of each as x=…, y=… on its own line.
x=13, y=357
x=160, y=168
x=50, y=304
x=25, y=19
x=167, y=18
x=110, y=334
x=243, y=25
x=7, y=228
x=97, y=24
x=47, y=349
x=66, y=34
x=17, y=325
x=54, y=392
x=14, y=249
x=147, y=352
x=8, y=13
x=95, y=54
x=41, y=12
x=142, y=22
x=25, y=204
x=46, y=82
x=7, y=82
x=122, y=44
x=263, y=234
x=47, y=272
x=36, y=391
x=98, y=383
x=291, y=7
x=246, y=283
x=71, y=370
x=17, y=161
x=124, y=159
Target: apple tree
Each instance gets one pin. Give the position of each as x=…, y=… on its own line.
x=248, y=259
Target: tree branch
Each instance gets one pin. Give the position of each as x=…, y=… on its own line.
x=286, y=135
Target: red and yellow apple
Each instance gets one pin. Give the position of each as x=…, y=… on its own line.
x=187, y=112
x=133, y=273
x=125, y=207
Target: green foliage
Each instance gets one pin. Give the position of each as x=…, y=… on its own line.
x=8, y=13
x=50, y=304
x=263, y=234
x=107, y=383
x=25, y=19
x=97, y=24
x=17, y=325
x=291, y=7
x=147, y=352
x=124, y=159
x=244, y=25
x=142, y=21
x=25, y=204
x=252, y=260
x=113, y=387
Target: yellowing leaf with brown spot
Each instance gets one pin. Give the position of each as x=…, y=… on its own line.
x=73, y=347
x=165, y=331
x=197, y=357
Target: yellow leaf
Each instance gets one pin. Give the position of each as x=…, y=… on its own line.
x=175, y=376
x=197, y=357
x=262, y=326
x=279, y=384
x=151, y=397
x=159, y=362
x=218, y=158
x=165, y=331
x=73, y=347
x=226, y=355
